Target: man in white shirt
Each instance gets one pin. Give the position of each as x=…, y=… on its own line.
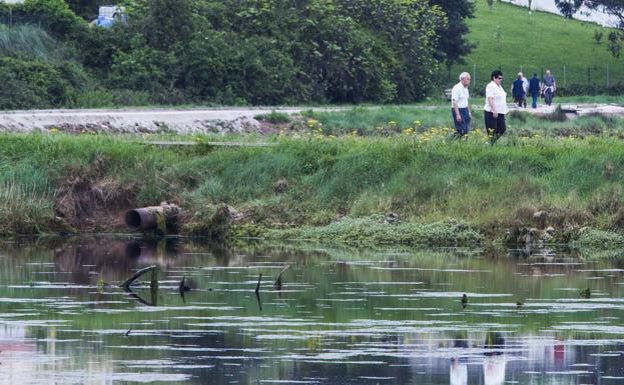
x=460, y=107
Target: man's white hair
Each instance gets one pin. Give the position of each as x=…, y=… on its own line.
x=463, y=75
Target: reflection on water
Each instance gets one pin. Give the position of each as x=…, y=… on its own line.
x=320, y=316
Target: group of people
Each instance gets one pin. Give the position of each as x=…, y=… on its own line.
x=522, y=87
x=496, y=100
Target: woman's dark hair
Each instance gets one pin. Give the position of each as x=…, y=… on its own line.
x=495, y=74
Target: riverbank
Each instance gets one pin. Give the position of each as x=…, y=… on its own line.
x=412, y=188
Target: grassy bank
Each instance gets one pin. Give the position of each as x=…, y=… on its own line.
x=396, y=120
x=411, y=188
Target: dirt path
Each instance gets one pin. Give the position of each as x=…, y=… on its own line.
x=184, y=121
x=573, y=110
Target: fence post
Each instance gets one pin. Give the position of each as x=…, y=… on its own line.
x=607, y=76
x=588, y=76
x=564, y=76
x=474, y=74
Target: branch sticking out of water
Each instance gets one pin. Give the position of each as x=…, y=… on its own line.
x=278, y=281
x=258, y=285
x=129, y=281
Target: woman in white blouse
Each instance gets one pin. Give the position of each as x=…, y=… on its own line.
x=495, y=106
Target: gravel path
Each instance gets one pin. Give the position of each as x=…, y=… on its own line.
x=222, y=120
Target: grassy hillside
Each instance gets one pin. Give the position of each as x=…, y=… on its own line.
x=510, y=38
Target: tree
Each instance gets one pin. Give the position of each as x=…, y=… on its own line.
x=452, y=44
x=56, y=17
x=614, y=8
x=167, y=23
x=87, y=9
x=568, y=7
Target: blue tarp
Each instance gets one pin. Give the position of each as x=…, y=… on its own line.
x=104, y=21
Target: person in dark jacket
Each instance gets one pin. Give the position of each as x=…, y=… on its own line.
x=517, y=91
x=534, y=89
x=549, y=87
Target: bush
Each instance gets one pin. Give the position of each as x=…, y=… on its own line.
x=274, y=117
x=38, y=84
x=591, y=89
x=55, y=16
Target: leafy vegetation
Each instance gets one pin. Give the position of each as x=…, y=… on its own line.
x=246, y=52
x=274, y=117
x=259, y=52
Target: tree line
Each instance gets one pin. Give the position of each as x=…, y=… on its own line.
x=614, y=8
x=227, y=52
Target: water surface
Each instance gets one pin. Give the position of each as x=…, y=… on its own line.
x=337, y=316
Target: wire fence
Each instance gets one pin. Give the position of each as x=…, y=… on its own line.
x=571, y=80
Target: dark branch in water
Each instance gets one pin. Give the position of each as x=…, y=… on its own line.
x=129, y=281
x=278, y=281
x=136, y=297
x=259, y=301
x=258, y=285
x=153, y=285
x=184, y=285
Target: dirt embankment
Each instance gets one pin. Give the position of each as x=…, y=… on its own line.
x=129, y=121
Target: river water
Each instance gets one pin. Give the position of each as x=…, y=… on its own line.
x=337, y=316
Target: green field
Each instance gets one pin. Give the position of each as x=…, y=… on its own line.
x=509, y=38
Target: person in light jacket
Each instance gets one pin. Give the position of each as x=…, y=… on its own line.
x=495, y=106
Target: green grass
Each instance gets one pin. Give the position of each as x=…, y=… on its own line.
x=394, y=120
x=274, y=117
x=510, y=38
x=424, y=178
x=373, y=231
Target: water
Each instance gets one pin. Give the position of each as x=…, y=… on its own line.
x=391, y=316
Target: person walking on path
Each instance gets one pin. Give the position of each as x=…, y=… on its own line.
x=460, y=108
x=534, y=89
x=549, y=86
x=517, y=90
x=495, y=106
x=525, y=87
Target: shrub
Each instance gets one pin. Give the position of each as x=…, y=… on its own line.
x=38, y=84
x=274, y=117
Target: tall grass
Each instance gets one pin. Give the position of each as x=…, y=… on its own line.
x=24, y=211
x=26, y=40
x=422, y=177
